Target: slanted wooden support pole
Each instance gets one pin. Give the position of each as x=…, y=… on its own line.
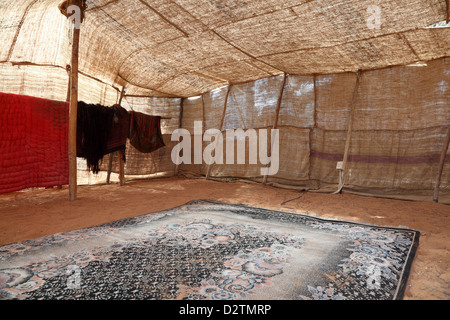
x=108, y=176
x=120, y=154
x=349, y=133
x=208, y=170
x=277, y=112
x=441, y=166
x=122, y=94
x=73, y=104
x=111, y=155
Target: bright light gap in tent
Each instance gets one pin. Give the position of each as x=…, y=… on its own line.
x=441, y=24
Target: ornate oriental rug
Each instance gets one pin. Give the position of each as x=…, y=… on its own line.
x=207, y=250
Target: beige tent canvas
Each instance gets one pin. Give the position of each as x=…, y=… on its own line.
x=364, y=84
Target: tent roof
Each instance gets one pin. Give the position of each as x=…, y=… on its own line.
x=182, y=48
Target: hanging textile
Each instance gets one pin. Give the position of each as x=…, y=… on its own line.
x=145, y=132
x=100, y=130
x=118, y=136
x=33, y=142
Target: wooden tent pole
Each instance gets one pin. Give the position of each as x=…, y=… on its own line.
x=108, y=176
x=208, y=170
x=111, y=155
x=349, y=133
x=121, y=154
x=441, y=166
x=121, y=168
x=122, y=94
x=73, y=105
x=277, y=112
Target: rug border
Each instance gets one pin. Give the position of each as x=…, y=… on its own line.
x=297, y=213
x=407, y=268
x=198, y=201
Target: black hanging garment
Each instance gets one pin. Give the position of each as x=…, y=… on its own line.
x=145, y=132
x=100, y=130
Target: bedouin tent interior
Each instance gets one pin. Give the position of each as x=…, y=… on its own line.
x=357, y=89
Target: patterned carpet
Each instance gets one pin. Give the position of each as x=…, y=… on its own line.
x=207, y=250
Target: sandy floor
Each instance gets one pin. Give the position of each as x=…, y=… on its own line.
x=34, y=213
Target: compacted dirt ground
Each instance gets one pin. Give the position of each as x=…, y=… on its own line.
x=38, y=212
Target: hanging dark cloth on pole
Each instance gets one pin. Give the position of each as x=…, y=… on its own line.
x=119, y=130
x=145, y=132
x=100, y=130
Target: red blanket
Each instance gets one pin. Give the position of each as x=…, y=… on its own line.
x=33, y=142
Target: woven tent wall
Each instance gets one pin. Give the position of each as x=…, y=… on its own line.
x=176, y=58
x=400, y=122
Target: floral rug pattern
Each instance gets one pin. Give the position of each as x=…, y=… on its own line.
x=206, y=250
